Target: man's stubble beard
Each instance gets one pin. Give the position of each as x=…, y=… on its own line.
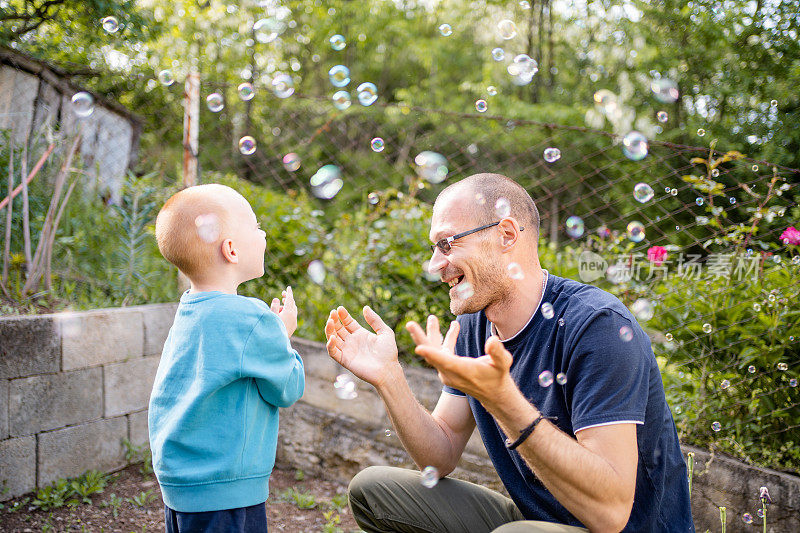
x=491, y=285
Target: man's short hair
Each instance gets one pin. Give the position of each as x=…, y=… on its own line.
x=492, y=187
x=191, y=225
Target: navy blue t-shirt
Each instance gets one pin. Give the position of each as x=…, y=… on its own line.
x=608, y=380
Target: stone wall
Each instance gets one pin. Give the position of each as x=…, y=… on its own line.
x=72, y=386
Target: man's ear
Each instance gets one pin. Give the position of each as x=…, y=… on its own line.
x=509, y=232
x=229, y=252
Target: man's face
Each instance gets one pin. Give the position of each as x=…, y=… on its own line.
x=472, y=267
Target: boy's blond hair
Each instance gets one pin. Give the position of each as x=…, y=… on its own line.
x=191, y=225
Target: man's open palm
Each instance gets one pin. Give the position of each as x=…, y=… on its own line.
x=369, y=356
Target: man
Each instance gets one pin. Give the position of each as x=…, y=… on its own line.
x=606, y=457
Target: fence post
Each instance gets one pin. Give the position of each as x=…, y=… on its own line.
x=191, y=127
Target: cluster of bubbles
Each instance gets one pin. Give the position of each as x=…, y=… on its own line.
x=326, y=182
x=345, y=387
x=546, y=378
x=522, y=69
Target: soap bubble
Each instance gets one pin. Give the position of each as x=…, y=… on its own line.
x=431, y=166
x=283, y=86
x=756, y=307
x=316, y=271
x=662, y=116
x=373, y=198
x=715, y=173
x=643, y=192
x=665, y=90
x=773, y=103
x=165, y=78
x=377, y=144
x=247, y=145
x=747, y=518
x=367, y=93
x=673, y=192
x=341, y=100
x=345, y=387
x=446, y=30
x=782, y=366
x=338, y=42
x=551, y=155
x=634, y=146
x=110, y=24
x=643, y=309
x=215, y=102
x=491, y=90
x=507, y=29
x=481, y=106
x=291, y=161
x=626, y=334
x=793, y=382
x=701, y=132
x=429, y=477
x=605, y=99
x=716, y=426
x=669, y=337
x=699, y=201
x=755, y=168
x=547, y=310
x=208, y=227
x=724, y=384
x=480, y=199
x=636, y=231
x=561, y=378
x=515, y=271
x=546, y=378
x=498, y=54
x=267, y=30
x=387, y=432
x=502, y=207
x=522, y=69
x=246, y=91
x=326, y=182
x=464, y=290
x=575, y=226
x=751, y=369
x=707, y=328
x=82, y=104
x=339, y=75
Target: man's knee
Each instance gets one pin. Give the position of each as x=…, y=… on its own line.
x=365, y=482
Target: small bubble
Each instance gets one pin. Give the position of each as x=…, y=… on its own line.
x=551, y=155
x=575, y=226
x=782, y=366
x=707, y=328
x=636, y=231
x=546, y=378
x=747, y=518
x=547, y=310
x=756, y=307
x=165, y=78
x=515, y=271
x=341, y=100
x=760, y=513
x=751, y=369
x=793, y=382
x=507, y=29
x=643, y=309
x=502, y=207
x=725, y=384
x=480, y=199
x=701, y=132
x=339, y=75
x=773, y=103
x=373, y=198
x=491, y=90
x=246, y=91
x=716, y=426
x=699, y=201
x=561, y=378
x=82, y=104
x=731, y=200
x=446, y=30
x=669, y=337
x=498, y=54
x=367, y=93
x=481, y=106
x=429, y=477
x=215, y=102
x=110, y=24
x=338, y=42
x=755, y=168
x=796, y=260
x=772, y=298
x=643, y=192
x=626, y=334
x=247, y=145
x=291, y=161
x=714, y=173
x=283, y=86
x=561, y=322
x=673, y=192
x=472, y=148
x=662, y=116
x=377, y=144
x=635, y=146
x=387, y=432
x=524, y=4
x=431, y=166
x=464, y=290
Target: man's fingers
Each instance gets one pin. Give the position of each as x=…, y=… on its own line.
x=452, y=336
x=347, y=321
x=500, y=356
x=436, y=356
x=375, y=322
x=417, y=335
x=433, y=331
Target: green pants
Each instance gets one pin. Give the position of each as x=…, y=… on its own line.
x=387, y=499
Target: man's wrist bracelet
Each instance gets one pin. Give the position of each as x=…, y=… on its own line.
x=525, y=433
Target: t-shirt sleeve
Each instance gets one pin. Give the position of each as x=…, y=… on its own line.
x=607, y=377
x=268, y=357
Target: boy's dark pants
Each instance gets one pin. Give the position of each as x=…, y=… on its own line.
x=251, y=519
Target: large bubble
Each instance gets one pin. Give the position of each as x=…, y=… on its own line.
x=636, y=231
x=431, y=166
x=246, y=91
x=110, y=24
x=338, y=42
x=326, y=182
x=341, y=100
x=247, y=145
x=367, y=93
x=215, y=102
x=507, y=29
x=283, y=86
x=635, y=146
x=82, y=104
x=339, y=75
x=643, y=192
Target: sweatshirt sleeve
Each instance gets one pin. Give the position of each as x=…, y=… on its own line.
x=268, y=357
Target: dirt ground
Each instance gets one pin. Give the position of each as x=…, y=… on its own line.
x=289, y=491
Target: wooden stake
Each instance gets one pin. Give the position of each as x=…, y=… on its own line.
x=191, y=128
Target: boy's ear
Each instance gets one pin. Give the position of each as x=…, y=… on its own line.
x=229, y=252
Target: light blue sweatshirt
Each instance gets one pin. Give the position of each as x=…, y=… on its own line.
x=226, y=368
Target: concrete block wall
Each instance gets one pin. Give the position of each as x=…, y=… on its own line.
x=72, y=387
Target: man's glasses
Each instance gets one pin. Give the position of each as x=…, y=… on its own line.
x=444, y=244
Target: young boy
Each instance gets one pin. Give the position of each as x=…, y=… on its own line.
x=226, y=368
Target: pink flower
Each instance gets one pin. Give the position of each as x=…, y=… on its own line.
x=656, y=255
x=791, y=236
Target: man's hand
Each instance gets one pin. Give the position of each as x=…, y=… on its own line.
x=484, y=378
x=286, y=310
x=370, y=356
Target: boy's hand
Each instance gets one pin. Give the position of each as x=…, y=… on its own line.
x=286, y=310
